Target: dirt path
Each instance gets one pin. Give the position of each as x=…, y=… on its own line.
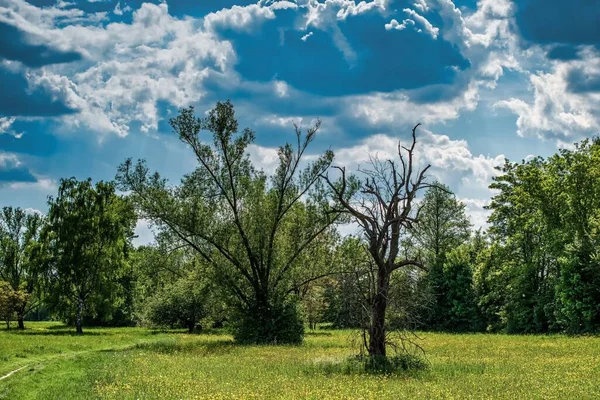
x=12, y=372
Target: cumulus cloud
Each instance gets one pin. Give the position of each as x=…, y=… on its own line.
x=449, y=158
x=13, y=171
x=557, y=110
x=423, y=23
x=393, y=24
x=476, y=211
x=130, y=68
x=5, y=124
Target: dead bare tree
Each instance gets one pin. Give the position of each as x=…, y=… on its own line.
x=382, y=204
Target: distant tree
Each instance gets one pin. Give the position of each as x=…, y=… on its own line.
x=11, y=301
x=528, y=240
x=19, y=234
x=86, y=242
x=313, y=304
x=383, y=204
x=457, y=307
x=183, y=303
x=251, y=228
x=443, y=226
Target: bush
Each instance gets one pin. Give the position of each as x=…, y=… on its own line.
x=279, y=324
x=181, y=304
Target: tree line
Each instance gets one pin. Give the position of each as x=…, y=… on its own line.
x=261, y=254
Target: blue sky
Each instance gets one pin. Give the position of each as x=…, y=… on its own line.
x=86, y=84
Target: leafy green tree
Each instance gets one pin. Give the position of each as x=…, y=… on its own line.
x=313, y=304
x=11, y=301
x=253, y=229
x=524, y=224
x=19, y=235
x=577, y=173
x=86, y=242
x=458, y=307
x=443, y=226
x=183, y=303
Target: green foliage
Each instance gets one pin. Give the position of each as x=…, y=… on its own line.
x=278, y=324
x=443, y=227
x=183, y=303
x=19, y=261
x=458, y=305
x=253, y=229
x=313, y=304
x=11, y=302
x=545, y=223
x=86, y=244
x=346, y=293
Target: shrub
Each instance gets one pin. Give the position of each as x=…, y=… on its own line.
x=180, y=304
x=279, y=324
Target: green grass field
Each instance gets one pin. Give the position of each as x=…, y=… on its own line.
x=137, y=363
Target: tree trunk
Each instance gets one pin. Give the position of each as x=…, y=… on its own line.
x=191, y=326
x=79, y=317
x=20, y=320
x=377, y=328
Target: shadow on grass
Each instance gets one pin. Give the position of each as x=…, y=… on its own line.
x=172, y=346
x=315, y=333
x=406, y=365
x=210, y=331
x=64, y=332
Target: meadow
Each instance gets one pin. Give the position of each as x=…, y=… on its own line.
x=139, y=363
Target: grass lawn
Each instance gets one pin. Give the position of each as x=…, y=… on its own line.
x=137, y=363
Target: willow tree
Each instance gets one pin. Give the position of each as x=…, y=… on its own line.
x=382, y=202
x=252, y=228
x=19, y=235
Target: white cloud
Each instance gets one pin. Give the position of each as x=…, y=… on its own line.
x=305, y=37
x=265, y=158
x=389, y=109
x=128, y=68
x=557, y=112
x=446, y=156
x=144, y=233
x=43, y=184
x=5, y=124
x=393, y=24
x=421, y=5
x=476, y=212
x=423, y=22
x=417, y=21
x=120, y=11
x=281, y=89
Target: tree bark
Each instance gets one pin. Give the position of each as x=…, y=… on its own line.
x=20, y=320
x=79, y=317
x=377, y=328
x=191, y=326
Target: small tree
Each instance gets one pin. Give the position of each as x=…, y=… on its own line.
x=86, y=243
x=382, y=204
x=180, y=304
x=313, y=304
x=19, y=235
